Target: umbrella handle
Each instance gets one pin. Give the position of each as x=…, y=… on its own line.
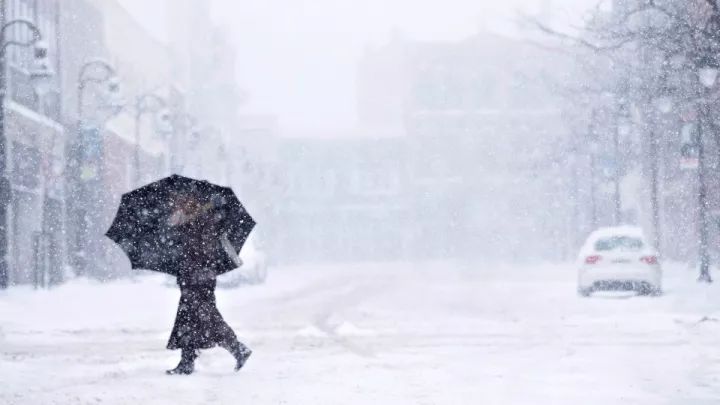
x=230, y=250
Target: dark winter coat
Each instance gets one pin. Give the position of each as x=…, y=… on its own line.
x=198, y=323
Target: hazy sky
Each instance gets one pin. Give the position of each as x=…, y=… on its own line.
x=298, y=57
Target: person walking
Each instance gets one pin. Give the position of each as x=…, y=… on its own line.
x=198, y=323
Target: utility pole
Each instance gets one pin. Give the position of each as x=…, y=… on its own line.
x=89, y=158
x=593, y=169
x=593, y=202
x=708, y=69
x=574, y=200
x=703, y=254
x=617, y=202
x=654, y=196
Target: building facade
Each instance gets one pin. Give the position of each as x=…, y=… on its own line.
x=68, y=162
x=341, y=200
x=102, y=145
x=483, y=130
x=34, y=137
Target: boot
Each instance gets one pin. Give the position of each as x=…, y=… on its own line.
x=239, y=351
x=187, y=363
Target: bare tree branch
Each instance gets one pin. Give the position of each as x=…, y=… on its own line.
x=550, y=48
x=580, y=41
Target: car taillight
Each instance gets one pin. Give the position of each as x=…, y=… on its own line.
x=649, y=259
x=592, y=259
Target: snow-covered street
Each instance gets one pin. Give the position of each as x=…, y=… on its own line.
x=371, y=334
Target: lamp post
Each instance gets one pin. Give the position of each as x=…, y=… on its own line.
x=574, y=223
x=104, y=74
x=593, y=174
x=664, y=105
x=40, y=72
x=87, y=159
x=149, y=103
x=707, y=74
x=593, y=149
x=621, y=133
x=108, y=76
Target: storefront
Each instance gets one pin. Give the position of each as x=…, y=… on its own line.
x=36, y=227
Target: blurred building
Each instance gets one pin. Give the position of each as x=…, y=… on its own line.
x=205, y=62
x=343, y=199
x=482, y=133
x=70, y=161
x=253, y=167
x=34, y=138
x=102, y=143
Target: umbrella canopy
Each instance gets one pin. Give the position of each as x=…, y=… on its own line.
x=178, y=222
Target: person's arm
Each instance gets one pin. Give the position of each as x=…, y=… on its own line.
x=181, y=217
x=178, y=218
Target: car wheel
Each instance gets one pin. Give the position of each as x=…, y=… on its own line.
x=584, y=292
x=261, y=274
x=654, y=291
x=649, y=289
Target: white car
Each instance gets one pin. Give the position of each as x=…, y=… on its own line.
x=253, y=269
x=618, y=258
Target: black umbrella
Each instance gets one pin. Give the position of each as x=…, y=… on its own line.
x=158, y=224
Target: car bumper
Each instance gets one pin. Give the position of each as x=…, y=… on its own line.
x=619, y=278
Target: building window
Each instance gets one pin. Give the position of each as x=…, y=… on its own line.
x=26, y=165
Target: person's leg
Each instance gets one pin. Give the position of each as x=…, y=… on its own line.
x=229, y=341
x=223, y=334
x=238, y=350
x=187, y=362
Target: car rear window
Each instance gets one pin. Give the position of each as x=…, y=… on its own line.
x=619, y=243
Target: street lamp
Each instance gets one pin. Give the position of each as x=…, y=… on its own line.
x=707, y=75
x=572, y=164
x=38, y=75
x=593, y=150
x=664, y=105
x=622, y=131
x=87, y=151
x=106, y=76
x=41, y=73
x=150, y=103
